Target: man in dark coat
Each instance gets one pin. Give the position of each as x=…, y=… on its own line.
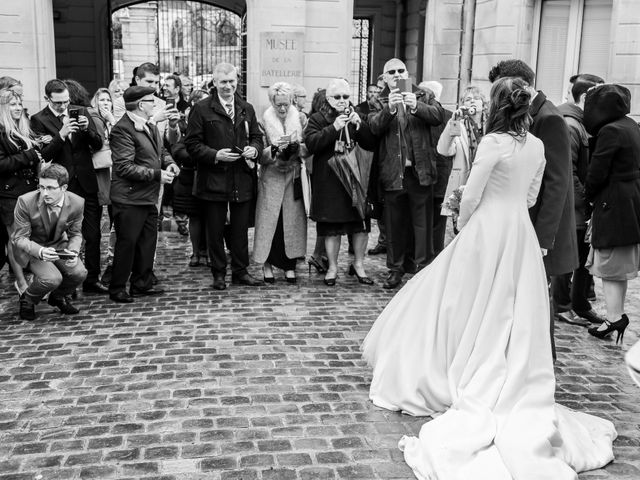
x=407, y=172
x=74, y=138
x=224, y=138
x=571, y=296
x=139, y=168
x=552, y=215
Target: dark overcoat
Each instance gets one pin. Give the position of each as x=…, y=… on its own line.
x=211, y=129
x=18, y=167
x=613, y=177
x=73, y=153
x=552, y=215
x=330, y=201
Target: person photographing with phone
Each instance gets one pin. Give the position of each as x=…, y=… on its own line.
x=407, y=171
x=74, y=139
x=47, y=238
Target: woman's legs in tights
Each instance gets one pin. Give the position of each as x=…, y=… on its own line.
x=332, y=246
x=615, y=292
x=15, y=266
x=360, y=241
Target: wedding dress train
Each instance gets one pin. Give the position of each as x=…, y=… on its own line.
x=466, y=341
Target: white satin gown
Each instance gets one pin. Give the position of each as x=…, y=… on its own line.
x=466, y=341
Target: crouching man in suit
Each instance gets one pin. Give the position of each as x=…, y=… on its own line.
x=47, y=237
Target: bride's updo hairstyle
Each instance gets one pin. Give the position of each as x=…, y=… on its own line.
x=509, y=109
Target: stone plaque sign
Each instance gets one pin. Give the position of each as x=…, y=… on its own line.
x=282, y=57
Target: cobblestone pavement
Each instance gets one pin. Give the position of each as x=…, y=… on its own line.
x=264, y=383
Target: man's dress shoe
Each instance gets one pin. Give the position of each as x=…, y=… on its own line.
x=63, y=304
x=95, y=287
x=144, y=292
x=218, y=282
x=27, y=309
x=246, y=279
x=121, y=297
x=377, y=250
x=393, y=280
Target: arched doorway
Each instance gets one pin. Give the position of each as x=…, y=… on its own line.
x=186, y=37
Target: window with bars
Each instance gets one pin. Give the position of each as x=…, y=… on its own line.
x=361, y=51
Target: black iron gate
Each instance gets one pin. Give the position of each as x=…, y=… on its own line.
x=188, y=37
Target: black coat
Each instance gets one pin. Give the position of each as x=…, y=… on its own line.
x=137, y=163
x=18, y=168
x=330, y=202
x=552, y=215
x=75, y=154
x=613, y=177
x=416, y=127
x=210, y=129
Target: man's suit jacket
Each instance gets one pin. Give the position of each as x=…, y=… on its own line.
x=137, y=154
x=74, y=154
x=33, y=230
x=553, y=214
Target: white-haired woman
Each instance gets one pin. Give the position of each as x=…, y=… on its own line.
x=19, y=161
x=281, y=221
x=332, y=207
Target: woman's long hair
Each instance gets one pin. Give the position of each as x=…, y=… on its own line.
x=509, y=109
x=18, y=132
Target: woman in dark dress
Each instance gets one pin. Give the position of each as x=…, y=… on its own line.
x=331, y=205
x=19, y=159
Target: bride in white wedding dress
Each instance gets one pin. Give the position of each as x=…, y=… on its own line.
x=466, y=341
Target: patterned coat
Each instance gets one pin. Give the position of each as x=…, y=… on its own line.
x=276, y=191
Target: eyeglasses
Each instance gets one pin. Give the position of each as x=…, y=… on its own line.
x=59, y=104
x=282, y=105
x=44, y=188
x=343, y=97
x=399, y=70
x=148, y=100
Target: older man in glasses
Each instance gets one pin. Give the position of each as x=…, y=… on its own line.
x=407, y=170
x=47, y=237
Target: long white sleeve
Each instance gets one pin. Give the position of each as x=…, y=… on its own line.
x=487, y=156
x=534, y=188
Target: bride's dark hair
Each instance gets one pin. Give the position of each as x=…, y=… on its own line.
x=509, y=109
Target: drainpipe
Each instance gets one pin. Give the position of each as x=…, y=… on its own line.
x=468, y=21
x=398, y=37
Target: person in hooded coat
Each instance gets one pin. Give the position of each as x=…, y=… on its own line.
x=613, y=187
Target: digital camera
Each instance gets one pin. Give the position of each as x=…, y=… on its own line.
x=468, y=111
x=347, y=111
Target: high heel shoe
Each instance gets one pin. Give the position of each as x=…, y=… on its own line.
x=268, y=279
x=330, y=282
x=364, y=280
x=620, y=326
x=292, y=279
x=316, y=264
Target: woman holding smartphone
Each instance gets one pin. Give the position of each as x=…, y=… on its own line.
x=281, y=221
x=19, y=160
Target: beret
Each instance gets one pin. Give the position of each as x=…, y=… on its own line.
x=133, y=94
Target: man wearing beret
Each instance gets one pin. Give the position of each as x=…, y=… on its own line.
x=139, y=168
x=224, y=138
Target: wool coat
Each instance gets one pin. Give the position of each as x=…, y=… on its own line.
x=613, y=177
x=18, y=167
x=552, y=215
x=456, y=146
x=276, y=190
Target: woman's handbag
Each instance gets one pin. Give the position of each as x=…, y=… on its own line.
x=102, y=158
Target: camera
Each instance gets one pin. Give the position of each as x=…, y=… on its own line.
x=74, y=113
x=468, y=111
x=347, y=111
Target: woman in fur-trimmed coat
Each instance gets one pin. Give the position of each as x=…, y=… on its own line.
x=281, y=221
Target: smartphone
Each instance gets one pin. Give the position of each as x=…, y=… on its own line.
x=237, y=149
x=404, y=84
x=65, y=254
x=74, y=113
x=171, y=102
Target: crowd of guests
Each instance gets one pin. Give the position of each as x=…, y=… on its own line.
x=397, y=158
